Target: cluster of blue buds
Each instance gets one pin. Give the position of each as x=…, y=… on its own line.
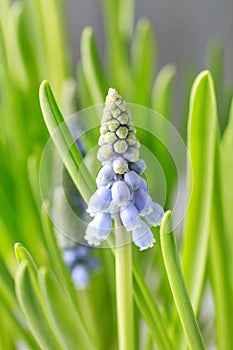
x=81, y=263
x=121, y=189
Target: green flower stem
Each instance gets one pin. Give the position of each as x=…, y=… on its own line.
x=124, y=289
x=178, y=288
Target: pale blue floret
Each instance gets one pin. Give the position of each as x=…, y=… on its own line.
x=105, y=175
x=144, y=185
x=99, y=201
x=120, y=193
x=148, y=206
x=133, y=180
x=155, y=217
x=98, y=229
x=139, y=166
x=140, y=199
x=143, y=237
x=130, y=217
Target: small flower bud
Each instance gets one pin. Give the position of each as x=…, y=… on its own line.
x=123, y=118
x=120, y=166
x=113, y=125
x=101, y=140
x=110, y=137
x=104, y=129
x=132, y=154
x=122, y=132
x=105, y=153
x=120, y=146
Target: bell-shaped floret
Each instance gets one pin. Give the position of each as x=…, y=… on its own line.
x=155, y=217
x=120, y=193
x=100, y=200
x=139, y=166
x=143, y=237
x=130, y=217
x=148, y=206
x=133, y=180
x=98, y=229
x=105, y=175
x=140, y=198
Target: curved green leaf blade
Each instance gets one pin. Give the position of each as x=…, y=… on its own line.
x=162, y=93
x=221, y=243
x=30, y=301
x=226, y=154
x=91, y=66
x=177, y=284
x=23, y=255
x=64, y=318
x=143, y=61
x=64, y=142
x=150, y=312
x=202, y=132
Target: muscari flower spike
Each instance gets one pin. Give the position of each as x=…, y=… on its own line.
x=120, y=185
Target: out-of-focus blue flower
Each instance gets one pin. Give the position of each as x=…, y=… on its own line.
x=81, y=263
x=125, y=191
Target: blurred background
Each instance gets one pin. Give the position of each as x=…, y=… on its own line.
x=183, y=27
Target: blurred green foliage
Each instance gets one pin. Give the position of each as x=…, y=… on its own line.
x=41, y=308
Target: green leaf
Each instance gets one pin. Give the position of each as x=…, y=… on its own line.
x=150, y=311
x=221, y=242
x=143, y=61
x=202, y=132
x=23, y=255
x=162, y=93
x=29, y=298
x=116, y=46
x=177, y=284
x=4, y=8
x=91, y=66
x=126, y=18
x=7, y=286
x=226, y=147
x=53, y=40
x=64, y=318
x=17, y=66
x=162, y=98
x=64, y=142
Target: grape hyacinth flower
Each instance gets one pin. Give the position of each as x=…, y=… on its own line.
x=120, y=185
x=81, y=263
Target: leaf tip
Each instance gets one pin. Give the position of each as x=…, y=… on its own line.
x=166, y=222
